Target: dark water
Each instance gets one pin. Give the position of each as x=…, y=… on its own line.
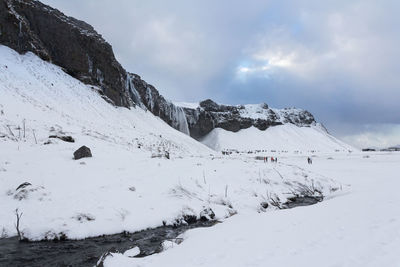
x=301, y=201
x=88, y=251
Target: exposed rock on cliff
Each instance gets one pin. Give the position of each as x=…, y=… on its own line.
x=27, y=25
x=210, y=115
x=145, y=95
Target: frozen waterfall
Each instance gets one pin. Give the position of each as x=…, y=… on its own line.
x=131, y=88
x=178, y=119
x=174, y=115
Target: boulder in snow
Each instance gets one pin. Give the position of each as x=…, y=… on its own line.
x=82, y=152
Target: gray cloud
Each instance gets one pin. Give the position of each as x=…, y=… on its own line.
x=381, y=136
x=339, y=59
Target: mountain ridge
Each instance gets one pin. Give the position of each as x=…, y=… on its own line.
x=74, y=45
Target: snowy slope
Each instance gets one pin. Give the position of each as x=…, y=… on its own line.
x=125, y=185
x=287, y=137
x=46, y=97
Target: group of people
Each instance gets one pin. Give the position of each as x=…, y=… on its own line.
x=272, y=159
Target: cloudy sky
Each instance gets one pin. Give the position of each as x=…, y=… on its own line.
x=339, y=59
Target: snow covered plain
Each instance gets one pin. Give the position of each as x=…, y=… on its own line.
x=358, y=228
x=130, y=185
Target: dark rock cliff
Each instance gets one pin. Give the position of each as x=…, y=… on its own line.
x=28, y=25
x=148, y=97
x=210, y=115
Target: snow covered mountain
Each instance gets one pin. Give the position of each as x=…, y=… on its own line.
x=49, y=100
x=258, y=127
x=37, y=28
x=208, y=115
x=287, y=137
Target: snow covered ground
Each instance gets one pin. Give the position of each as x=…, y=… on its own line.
x=287, y=137
x=358, y=228
x=129, y=183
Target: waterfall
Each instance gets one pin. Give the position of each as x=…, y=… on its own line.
x=90, y=64
x=149, y=99
x=175, y=115
x=130, y=87
x=178, y=118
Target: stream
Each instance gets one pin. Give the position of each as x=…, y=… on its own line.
x=86, y=252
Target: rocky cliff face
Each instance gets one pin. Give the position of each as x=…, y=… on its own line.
x=210, y=115
x=28, y=25
x=148, y=97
